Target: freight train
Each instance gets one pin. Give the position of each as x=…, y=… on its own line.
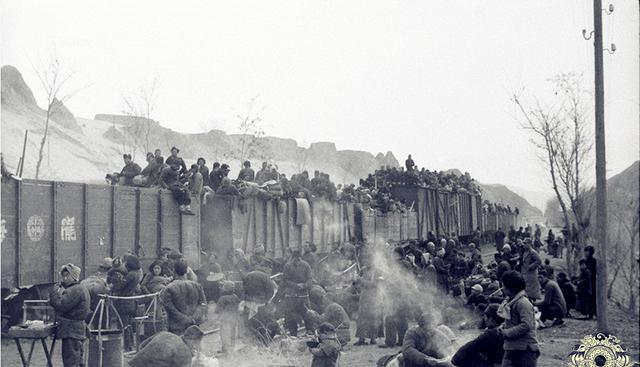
x=46, y=224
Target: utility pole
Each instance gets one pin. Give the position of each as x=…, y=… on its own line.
x=601, y=173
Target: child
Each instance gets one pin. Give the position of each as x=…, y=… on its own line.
x=227, y=307
x=519, y=329
x=583, y=289
x=326, y=353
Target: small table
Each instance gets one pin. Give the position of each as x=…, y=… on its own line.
x=18, y=333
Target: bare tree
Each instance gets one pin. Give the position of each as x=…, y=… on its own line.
x=251, y=144
x=624, y=257
x=300, y=159
x=140, y=105
x=53, y=79
x=560, y=132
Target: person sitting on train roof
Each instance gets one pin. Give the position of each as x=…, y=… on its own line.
x=196, y=181
x=174, y=159
x=170, y=179
x=227, y=188
x=246, y=173
x=150, y=174
x=126, y=175
x=204, y=170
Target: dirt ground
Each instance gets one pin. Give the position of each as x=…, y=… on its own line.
x=555, y=344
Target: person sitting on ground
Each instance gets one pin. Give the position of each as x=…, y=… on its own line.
x=568, y=292
x=247, y=173
x=170, y=179
x=553, y=306
x=477, y=298
x=184, y=301
x=174, y=159
x=155, y=280
x=70, y=299
x=327, y=351
x=166, y=349
x=264, y=324
x=519, y=330
x=338, y=317
x=422, y=344
x=485, y=350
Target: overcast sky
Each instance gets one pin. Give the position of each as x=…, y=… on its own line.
x=429, y=78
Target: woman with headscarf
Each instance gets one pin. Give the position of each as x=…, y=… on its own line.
x=155, y=280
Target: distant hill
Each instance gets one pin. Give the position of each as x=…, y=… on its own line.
x=502, y=194
x=84, y=150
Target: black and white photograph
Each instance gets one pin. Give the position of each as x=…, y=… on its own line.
x=320, y=183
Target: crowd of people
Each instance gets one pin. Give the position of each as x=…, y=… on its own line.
x=411, y=175
x=262, y=299
x=374, y=192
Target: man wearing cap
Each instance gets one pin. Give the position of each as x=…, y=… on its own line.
x=174, y=159
x=476, y=297
x=129, y=171
x=166, y=349
x=71, y=301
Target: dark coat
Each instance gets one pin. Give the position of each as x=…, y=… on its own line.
x=72, y=308
x=419, y=346
x=569, y=294
x=553, y=296
x=152, y=173
x=129, y=171
x=484, y=351
x=163, y=350
x=171, y=160
x=296, y=278
x=215, y=179
x=246, y=174
x=181, y=300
